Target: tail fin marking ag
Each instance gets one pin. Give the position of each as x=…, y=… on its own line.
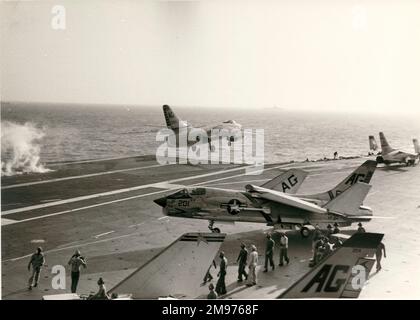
x=363, y=173
x=341, y=274
x=287, y=182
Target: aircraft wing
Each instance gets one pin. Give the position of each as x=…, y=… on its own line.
x=342, y=274
x=282, y=198
x=176, y=271
x=400, y=153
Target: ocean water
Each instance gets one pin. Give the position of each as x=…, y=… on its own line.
x=80, y=132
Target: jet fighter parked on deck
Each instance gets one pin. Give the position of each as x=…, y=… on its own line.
x=389, y=155
x=269, y=204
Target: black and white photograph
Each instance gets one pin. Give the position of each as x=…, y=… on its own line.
x=210, y=150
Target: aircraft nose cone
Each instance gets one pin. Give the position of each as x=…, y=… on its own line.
x=161, y=202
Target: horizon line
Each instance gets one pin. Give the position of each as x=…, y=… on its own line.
x=365, y=109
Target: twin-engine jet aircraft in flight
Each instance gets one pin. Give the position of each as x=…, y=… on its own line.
x=389, y=155
x=229, y=129
x=275, y=204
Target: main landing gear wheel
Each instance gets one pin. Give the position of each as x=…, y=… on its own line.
x=214, y=230
x=304, y=231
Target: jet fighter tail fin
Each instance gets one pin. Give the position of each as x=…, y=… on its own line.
x=372, y=143
x=349, y=201
x=342, y=274
x=416, y=146
x=287, y=182
x=363, y=173
x=176, y=271
x=386, y=148
x=172, y=121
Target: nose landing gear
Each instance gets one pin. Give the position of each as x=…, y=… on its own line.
x=214, y=230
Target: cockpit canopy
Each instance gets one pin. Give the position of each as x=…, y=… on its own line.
x=181, y=194
x=186, y=194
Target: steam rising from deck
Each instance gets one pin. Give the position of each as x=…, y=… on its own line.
x=20, y=148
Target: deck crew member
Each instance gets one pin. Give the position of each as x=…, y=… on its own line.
x=316, y=238
x=212, y=294
x=319, y=249
x=328, y=246
x=101, y=294
x=317, y=234
x=37, y=261
x=337, y=243
x=329, y=231
x=284, y=245
x=360, y=229
x=269, y=253
x=379, y=249
x=76, y=262
x=242, y=259
x=253, y=262
x=221, y=285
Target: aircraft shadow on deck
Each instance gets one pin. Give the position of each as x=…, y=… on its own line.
x=396, y=168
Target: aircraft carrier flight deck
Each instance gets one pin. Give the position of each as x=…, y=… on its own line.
x=105, y=208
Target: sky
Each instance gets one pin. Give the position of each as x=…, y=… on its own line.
x=291, y=54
